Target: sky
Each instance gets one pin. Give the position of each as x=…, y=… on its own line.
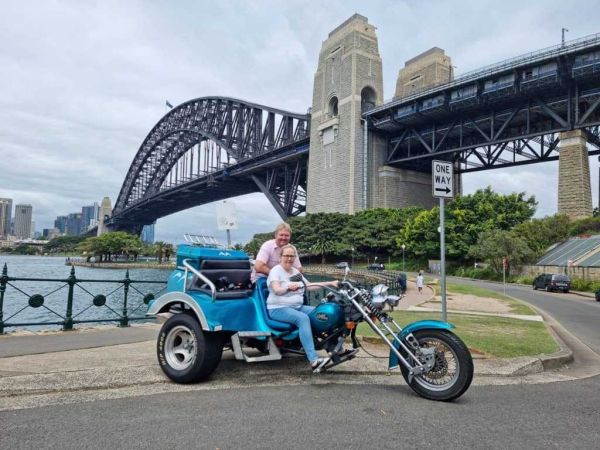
x=83, y=82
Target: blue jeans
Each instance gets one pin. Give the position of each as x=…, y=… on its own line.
x=298, y=317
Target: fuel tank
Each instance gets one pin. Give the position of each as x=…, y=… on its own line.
x=326, y=316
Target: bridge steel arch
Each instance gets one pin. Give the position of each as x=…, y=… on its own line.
x=213, y=148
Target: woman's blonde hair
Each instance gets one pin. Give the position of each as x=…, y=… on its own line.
x=288, y=246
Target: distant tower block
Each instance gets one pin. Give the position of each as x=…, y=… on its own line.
x=348, y=79
x=426, y=70
x=574, y=190
x=105, y=211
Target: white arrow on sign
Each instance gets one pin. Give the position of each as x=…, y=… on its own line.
x=442, y=174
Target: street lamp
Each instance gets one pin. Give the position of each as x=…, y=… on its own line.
x=352, y=248
x=403, y=247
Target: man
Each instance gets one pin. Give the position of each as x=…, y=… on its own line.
x=269, y=254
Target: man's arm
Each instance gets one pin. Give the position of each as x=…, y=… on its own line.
x=261, y=267
x=262, y=257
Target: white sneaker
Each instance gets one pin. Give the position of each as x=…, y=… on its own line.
x=319, y=363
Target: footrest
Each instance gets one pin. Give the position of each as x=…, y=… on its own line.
x=247, y=334
x=238, y=339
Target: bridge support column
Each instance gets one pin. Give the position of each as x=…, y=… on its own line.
x=400, y=188
x=574, y=190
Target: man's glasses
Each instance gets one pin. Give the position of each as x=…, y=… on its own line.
x=288, y=256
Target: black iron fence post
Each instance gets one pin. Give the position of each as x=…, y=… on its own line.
x=126, y=283
x=3, y=281
x=72, y=280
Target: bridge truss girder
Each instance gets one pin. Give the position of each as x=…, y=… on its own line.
x=200, y=143
x=516, y=126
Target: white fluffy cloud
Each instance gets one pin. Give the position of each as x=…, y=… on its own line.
x=84, y=82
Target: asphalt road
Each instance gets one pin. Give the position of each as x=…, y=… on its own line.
x=579, y=315
x=555, y=415
x=314, y=415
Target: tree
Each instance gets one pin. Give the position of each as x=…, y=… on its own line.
x=542, y=233
x=163, y=250
x=322, y=246
x=63, y=244
x=465, y=218
x=494, y=245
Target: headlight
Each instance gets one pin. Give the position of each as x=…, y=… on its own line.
x=379, y=290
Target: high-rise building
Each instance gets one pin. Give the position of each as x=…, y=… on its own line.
x=23, y=215
x=61, y=224
x=5, y=216
x=89, y=216
x=147, y=235
x=74, y=225
x=50, y=233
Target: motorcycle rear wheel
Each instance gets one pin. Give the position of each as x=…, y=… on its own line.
x=452, y=373
x=186, y=353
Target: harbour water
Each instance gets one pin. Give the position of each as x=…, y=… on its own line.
x=16, y=307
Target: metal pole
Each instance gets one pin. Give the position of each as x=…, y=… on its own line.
x=3, y=282
x=71, y=281
x=504, y=276
x=228, y=238
x=443, y=259
x=126, y=283
x=403, y=265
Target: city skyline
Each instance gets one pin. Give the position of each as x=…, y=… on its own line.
x=92, y=109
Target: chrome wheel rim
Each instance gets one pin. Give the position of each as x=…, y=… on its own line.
x=446, y=369
x=180, y=348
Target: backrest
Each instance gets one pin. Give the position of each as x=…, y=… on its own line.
x=229, y=276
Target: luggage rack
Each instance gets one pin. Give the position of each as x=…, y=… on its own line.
x=202, y=240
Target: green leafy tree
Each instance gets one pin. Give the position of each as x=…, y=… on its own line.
x=252, y=247
x=589, y=225
x=494, y=245
x=465, y=218
x=322, y=246
x=63, y=244
x=162, y=250
x=542, y=233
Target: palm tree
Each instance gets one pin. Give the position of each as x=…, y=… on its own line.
x=159, y=250
x=322, y=246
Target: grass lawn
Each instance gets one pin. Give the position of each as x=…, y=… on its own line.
x=516, y=306
x=493, y=336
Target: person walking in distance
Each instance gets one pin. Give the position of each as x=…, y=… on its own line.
x=420, y=282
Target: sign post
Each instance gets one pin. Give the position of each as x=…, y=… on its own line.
x=443, y=187
x=504, y=265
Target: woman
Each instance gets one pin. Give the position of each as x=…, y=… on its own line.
x=285, y=302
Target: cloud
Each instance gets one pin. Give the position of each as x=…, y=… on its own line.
x=84, y=82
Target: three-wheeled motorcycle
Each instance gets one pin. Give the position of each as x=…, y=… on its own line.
x=212, y=304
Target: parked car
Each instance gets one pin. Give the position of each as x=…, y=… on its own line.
x=598, y=295
x=376, y=266
x=342, y=265
x=552, y=282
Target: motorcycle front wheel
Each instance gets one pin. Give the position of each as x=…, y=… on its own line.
x=452, y=372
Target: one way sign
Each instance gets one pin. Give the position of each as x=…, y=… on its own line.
x=443, y=179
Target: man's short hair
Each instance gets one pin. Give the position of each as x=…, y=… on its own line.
x=283, y=226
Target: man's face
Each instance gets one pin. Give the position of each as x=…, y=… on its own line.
x=282, y=238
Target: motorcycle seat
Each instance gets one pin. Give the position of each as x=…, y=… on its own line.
x=263, y=293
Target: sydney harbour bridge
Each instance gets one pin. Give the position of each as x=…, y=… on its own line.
x=511, y=113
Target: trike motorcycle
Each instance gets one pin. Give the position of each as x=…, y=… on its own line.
x=212, y=305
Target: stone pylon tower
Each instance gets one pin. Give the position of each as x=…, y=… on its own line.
x=105, y=211
x=574, y=191
x=348, y=79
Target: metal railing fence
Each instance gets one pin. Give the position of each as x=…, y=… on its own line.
x=119, y=300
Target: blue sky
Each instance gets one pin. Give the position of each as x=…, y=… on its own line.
x=84, y=82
